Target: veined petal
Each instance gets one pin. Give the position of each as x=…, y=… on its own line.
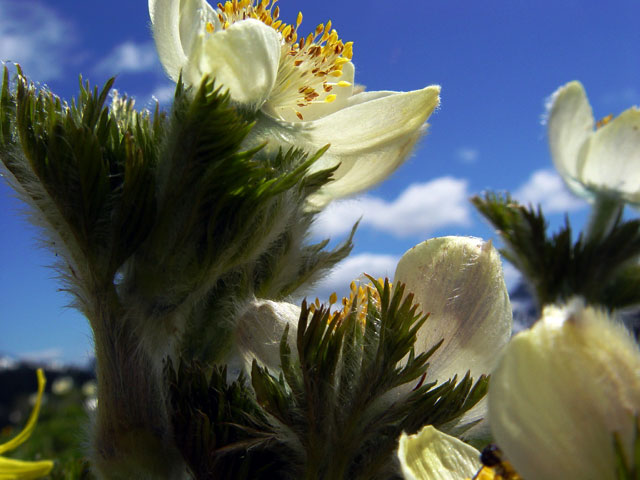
x=561, y=390
x=258, y=333
x=170, y=20
x=369, y=140
x=243, y=58
x=11, y=469
x=612, y=160
x=433, y=455
x=459, y=281
x=570, y=124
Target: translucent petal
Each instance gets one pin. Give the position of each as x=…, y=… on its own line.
x=612, y=158
x=459, y=281
x=570, y=123
x=166, y=22
x=244, y=58
x=433, y=455
x=561, y=390
x=369, y=140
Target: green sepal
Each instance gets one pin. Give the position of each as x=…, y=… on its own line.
x=340, y=401
x=217, y=425
x=601, y=268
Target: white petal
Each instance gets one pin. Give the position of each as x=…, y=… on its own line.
x=369, y=140
x=459, y=281
x=167, y=18
x=570, y=124
x=258, y=331
x=244, y=58
x=433, y=455
x=559, y=393
x=612, y=161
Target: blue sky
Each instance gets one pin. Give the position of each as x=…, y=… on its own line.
x=497, y=62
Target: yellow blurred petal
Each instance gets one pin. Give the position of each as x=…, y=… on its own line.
x=11, y=469
x=31, y=423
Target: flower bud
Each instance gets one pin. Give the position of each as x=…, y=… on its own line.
x=562, y=390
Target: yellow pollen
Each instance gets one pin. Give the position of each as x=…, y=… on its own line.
x=602, y=122
x=306, y=61
x=333, y=298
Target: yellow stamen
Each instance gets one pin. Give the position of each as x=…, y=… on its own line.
x=602, y=122
x=329, y=99
x=210, y=28
x=343, y=83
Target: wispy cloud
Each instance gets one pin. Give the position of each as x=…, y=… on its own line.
x=130, y=57
x=421, y=209
x=36, y=37
x=545, y=187
x=354, y=268
x=467, y=155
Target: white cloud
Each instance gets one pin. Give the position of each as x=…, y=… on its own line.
x=512, y=276
x=35, y=37
x=467, y=155
x=130, y=57
x=545, y=187
x=164, y=93
x=353, y=268
x=418, y=211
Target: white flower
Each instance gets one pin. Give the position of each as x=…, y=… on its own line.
x=560, y=392
x=601, y=161
x=258, y=331
x=433, y=455
x=459, y=281
x=301, y=86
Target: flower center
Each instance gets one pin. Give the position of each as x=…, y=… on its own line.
x=310, y=67
x=358, y=299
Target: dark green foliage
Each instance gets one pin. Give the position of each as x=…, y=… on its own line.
x=603, y=269
x=628, y=468
x=218, y=427
x=89, y=178
x=348, y=395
